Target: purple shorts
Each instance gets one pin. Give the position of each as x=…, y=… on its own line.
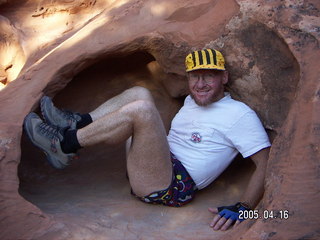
x=180, y=192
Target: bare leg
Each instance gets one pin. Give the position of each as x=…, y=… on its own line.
x=115, y=103
x=148, y=161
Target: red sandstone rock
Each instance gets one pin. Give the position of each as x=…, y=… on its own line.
x=100, y=48
x=11, y=53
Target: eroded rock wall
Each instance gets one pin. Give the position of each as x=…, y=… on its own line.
x=272, y=51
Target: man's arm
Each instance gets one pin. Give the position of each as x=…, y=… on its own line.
x=255, y=188
x=253, y=193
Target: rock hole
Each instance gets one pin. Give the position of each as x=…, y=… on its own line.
x=93, y=192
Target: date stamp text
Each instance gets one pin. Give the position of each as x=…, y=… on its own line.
x=265, y=214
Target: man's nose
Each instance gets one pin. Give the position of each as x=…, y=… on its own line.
x=201, y=82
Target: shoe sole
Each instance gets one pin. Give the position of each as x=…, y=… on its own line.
x=26, y=126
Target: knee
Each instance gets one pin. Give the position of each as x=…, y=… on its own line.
x=142, y=110
x=140, y=93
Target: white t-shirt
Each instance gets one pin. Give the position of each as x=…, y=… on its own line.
x=206, y=139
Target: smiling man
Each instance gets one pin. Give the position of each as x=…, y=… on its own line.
x=212, y=128
x=205, y=136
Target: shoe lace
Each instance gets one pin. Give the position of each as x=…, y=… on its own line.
x=52, y=133
x=71, y=117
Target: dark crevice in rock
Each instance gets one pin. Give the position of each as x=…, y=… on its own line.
x=268, y=83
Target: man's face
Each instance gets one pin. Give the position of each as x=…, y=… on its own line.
x=207, y=86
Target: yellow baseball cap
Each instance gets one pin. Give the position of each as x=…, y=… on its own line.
x=205, y=59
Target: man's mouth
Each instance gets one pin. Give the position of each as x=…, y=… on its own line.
x=202, y=92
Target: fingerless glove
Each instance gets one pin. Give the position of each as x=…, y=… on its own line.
x=232, y=211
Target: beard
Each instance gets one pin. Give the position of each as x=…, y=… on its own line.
x=206, y=100
x=200, y=102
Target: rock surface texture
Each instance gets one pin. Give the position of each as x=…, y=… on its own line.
x=84, y=52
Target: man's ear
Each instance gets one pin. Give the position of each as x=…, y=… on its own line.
x=225, y=78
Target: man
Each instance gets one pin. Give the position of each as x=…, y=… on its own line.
x=206, y=134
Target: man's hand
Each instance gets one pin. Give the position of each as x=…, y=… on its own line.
x=221, y=223
x=226, y=216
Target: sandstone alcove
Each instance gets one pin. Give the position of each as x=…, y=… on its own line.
x=84, y=52
x=92, y=193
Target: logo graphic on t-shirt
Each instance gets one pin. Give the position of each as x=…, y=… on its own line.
x=195, y=137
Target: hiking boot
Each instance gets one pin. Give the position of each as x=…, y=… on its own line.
x=48, y=139
x=57, y=117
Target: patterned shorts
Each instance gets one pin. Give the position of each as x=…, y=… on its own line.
x=180, y=192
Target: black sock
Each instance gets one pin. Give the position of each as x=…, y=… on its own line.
x=70, y=143
x=85, y=120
